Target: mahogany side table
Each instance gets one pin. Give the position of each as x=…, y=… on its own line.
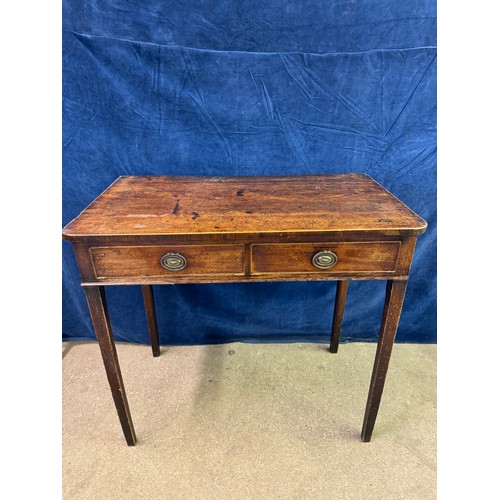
x=146, y=230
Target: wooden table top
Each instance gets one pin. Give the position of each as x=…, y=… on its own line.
x=175, y=205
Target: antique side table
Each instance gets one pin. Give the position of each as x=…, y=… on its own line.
x=146, y=230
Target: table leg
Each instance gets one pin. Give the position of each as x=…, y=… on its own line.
x=394, y=297
x=99, y=312
x=149, y=304
x=338, y=314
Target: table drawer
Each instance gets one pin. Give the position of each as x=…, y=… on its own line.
x=330, y=258
x=169, y=261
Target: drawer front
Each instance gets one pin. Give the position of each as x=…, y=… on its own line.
x=166, y=261
x=348, y=257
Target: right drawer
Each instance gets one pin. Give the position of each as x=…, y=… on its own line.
x=328, y=258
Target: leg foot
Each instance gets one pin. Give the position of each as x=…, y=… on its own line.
x=100, y=318
x=394, y=297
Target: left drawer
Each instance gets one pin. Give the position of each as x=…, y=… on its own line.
x=157, y=261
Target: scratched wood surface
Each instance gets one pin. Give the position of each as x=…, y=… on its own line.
x=171, y=205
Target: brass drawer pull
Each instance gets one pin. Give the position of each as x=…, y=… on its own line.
x=324, y=259
x=173, y=261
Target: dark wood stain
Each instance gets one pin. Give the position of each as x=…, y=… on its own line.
x=176, y=209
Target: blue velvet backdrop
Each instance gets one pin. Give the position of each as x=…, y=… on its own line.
x=251, y=87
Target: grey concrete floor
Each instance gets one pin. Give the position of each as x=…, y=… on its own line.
x=249, y=421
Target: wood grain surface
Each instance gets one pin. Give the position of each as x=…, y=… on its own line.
x=168, y=205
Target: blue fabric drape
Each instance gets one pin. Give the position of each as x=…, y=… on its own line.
x=251, y=88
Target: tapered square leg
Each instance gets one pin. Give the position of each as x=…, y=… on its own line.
x=338, y=314
x=149, y=304
x=98, y=311
x=394, y=298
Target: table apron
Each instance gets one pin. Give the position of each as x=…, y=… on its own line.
x=128, y=263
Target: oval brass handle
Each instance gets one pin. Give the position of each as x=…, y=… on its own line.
x=324, y=259
x=173, y=261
